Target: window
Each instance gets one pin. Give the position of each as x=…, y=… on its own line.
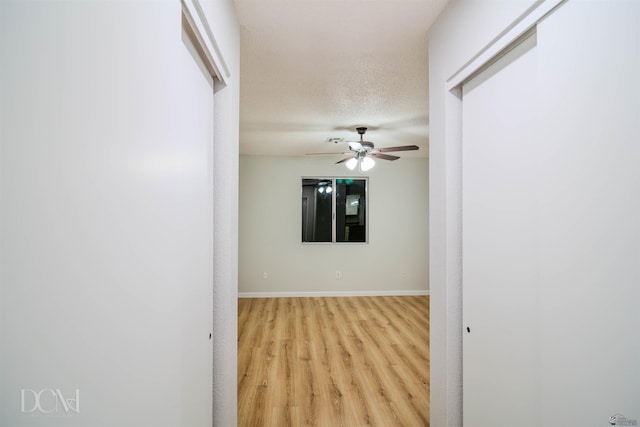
x=334, y=210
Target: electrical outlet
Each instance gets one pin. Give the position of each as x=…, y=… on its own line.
x=338, y=274
x=265, y=275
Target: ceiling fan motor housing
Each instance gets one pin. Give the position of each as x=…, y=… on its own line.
x=367, y=145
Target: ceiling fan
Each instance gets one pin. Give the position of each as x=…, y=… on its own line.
x=364, y=151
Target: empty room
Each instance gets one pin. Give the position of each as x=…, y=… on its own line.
x=333, y=314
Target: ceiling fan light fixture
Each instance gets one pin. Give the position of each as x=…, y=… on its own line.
x=364, y=151
x=367, y=163
x=351, y=163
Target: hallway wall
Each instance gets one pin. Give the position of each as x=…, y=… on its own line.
x=584, y=235
x=107, y=217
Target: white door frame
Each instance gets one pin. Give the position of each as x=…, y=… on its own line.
x=453, y=169
x=223, y=297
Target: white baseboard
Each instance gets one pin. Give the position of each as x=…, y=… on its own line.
x=331, y=294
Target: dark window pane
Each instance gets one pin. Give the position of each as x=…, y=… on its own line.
x=351, y=212
x=317, y=205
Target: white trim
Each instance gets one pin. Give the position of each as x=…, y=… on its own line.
x=198, y=21
x=527, y=21
x=331, y=294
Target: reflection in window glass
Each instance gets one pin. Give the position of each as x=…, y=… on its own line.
x=317, y=209
x=350, y=210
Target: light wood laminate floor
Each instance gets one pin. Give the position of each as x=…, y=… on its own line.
x=345, y=361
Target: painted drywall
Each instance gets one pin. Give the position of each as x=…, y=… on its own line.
x=394, y=260
x=107, y=195
x=587, y=195
x=589, y=205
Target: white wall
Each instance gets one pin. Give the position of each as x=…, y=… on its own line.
x=108, y=215
x=394, y=260
x=587, y=235
x=589, y=212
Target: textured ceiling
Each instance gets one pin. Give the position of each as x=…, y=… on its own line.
x=313, y=70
